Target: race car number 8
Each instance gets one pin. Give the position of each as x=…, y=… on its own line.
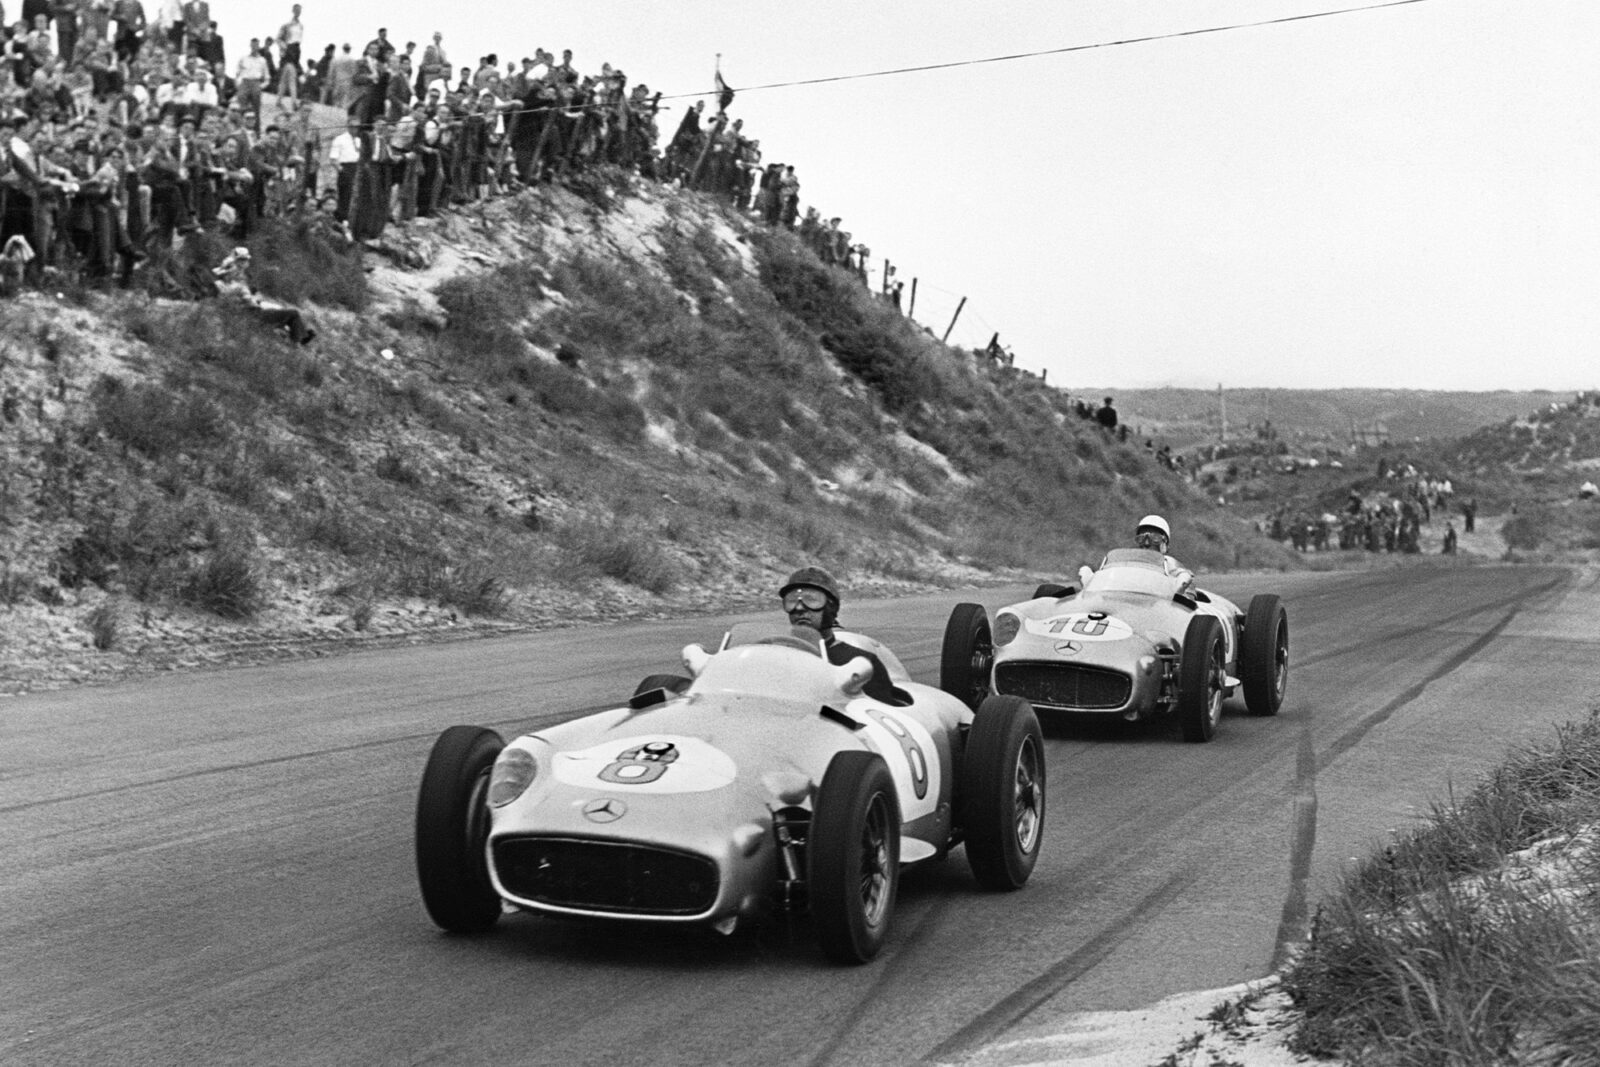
x=639, y=765
x=915, y=757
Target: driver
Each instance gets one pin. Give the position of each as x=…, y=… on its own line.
x=811, y=599
x=1154, y=533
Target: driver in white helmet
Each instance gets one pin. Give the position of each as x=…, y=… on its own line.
x=810, y=598
x=1154, y=534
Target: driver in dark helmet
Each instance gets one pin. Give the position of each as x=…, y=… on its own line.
x=811, y=599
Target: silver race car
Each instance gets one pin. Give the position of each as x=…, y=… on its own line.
x=1134, y=642
x=764, y=780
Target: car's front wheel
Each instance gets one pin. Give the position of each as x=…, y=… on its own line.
x=1202, y=676
x=1002, y=792
x=853, y=856
x=966, y=658
x=1264, y=655
x=453, y=827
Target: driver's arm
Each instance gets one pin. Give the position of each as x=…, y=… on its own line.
x=878, y=687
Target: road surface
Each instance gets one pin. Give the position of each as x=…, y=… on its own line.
x=216, y=868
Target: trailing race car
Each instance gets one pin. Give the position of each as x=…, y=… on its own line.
x=1134, y=642
x=765, y=780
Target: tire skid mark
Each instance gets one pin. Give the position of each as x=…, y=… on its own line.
x=930, y=921
x=1293, y=920
x=1302, y=845
x=1358, y=733
x=229, y=768
x=1388, y=636
x=1022, y=1002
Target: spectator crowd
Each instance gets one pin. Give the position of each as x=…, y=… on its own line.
x=125, y=127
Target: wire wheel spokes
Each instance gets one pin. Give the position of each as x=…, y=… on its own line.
x=1028, y=796
x=1216, y=680
x=982, y=668
x=875, y=859
x=1280, y=662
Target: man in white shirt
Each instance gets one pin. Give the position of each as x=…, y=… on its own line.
x=252, y=77
x=200, y=95
x=343, y=155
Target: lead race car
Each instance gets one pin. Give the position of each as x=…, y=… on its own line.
x=1135, y=642
x=766, y=780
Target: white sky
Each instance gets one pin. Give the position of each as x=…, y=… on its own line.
x=1403, y=198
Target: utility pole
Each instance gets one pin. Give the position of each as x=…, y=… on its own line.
x=1222, y=404
x=911, y=309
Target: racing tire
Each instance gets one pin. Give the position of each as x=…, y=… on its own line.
x=1264, y=655
x=1002, y=801
x=1202, y=673
x=967, y=658
x=672, y=683
x=452, y=829
x=853, y=856
x=1053, y=591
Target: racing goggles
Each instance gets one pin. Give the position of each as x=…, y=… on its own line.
x=809, y=599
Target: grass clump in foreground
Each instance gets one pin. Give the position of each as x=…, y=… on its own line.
x=1474, y=939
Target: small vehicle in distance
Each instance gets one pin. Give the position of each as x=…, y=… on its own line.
x=1134, y=642
x=765, y=780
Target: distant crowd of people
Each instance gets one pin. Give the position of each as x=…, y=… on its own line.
x=124, y=127
x=1389, y=520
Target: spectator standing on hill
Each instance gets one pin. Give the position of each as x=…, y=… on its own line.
x=380, y=46
x=65, y=14
x=1449, y=539
x=208, y=48
x=94, y=25
x=685, y=143
x=344, y=155
x=290, y=37
x=1469, y=512
x=251, y=77
x=169, y=23
x=196, y=14
x=1107, y=416
x=399, y=92
x=788, y=196
x=435, y=65
x=370, y=86
x=340, y=88
x=131, y=26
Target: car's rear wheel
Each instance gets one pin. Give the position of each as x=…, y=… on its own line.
x=967, y=657
x=1264, y=655
x=672, y=683
x=1003, y=792
x=453, y=827
x=1202, y=676
x=853, y=856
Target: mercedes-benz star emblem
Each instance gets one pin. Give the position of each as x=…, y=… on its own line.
x=1068, y=648
x=604, y=810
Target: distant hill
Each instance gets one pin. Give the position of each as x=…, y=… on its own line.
x=1319, y=416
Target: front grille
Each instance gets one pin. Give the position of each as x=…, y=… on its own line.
x=606, y=876
x=1064, y=685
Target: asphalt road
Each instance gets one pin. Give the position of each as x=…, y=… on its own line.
x=217, y=868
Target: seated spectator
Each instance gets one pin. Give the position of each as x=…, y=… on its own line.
x=233, y=283
x=200, y=96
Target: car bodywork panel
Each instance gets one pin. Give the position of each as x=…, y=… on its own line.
x=706, y=785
